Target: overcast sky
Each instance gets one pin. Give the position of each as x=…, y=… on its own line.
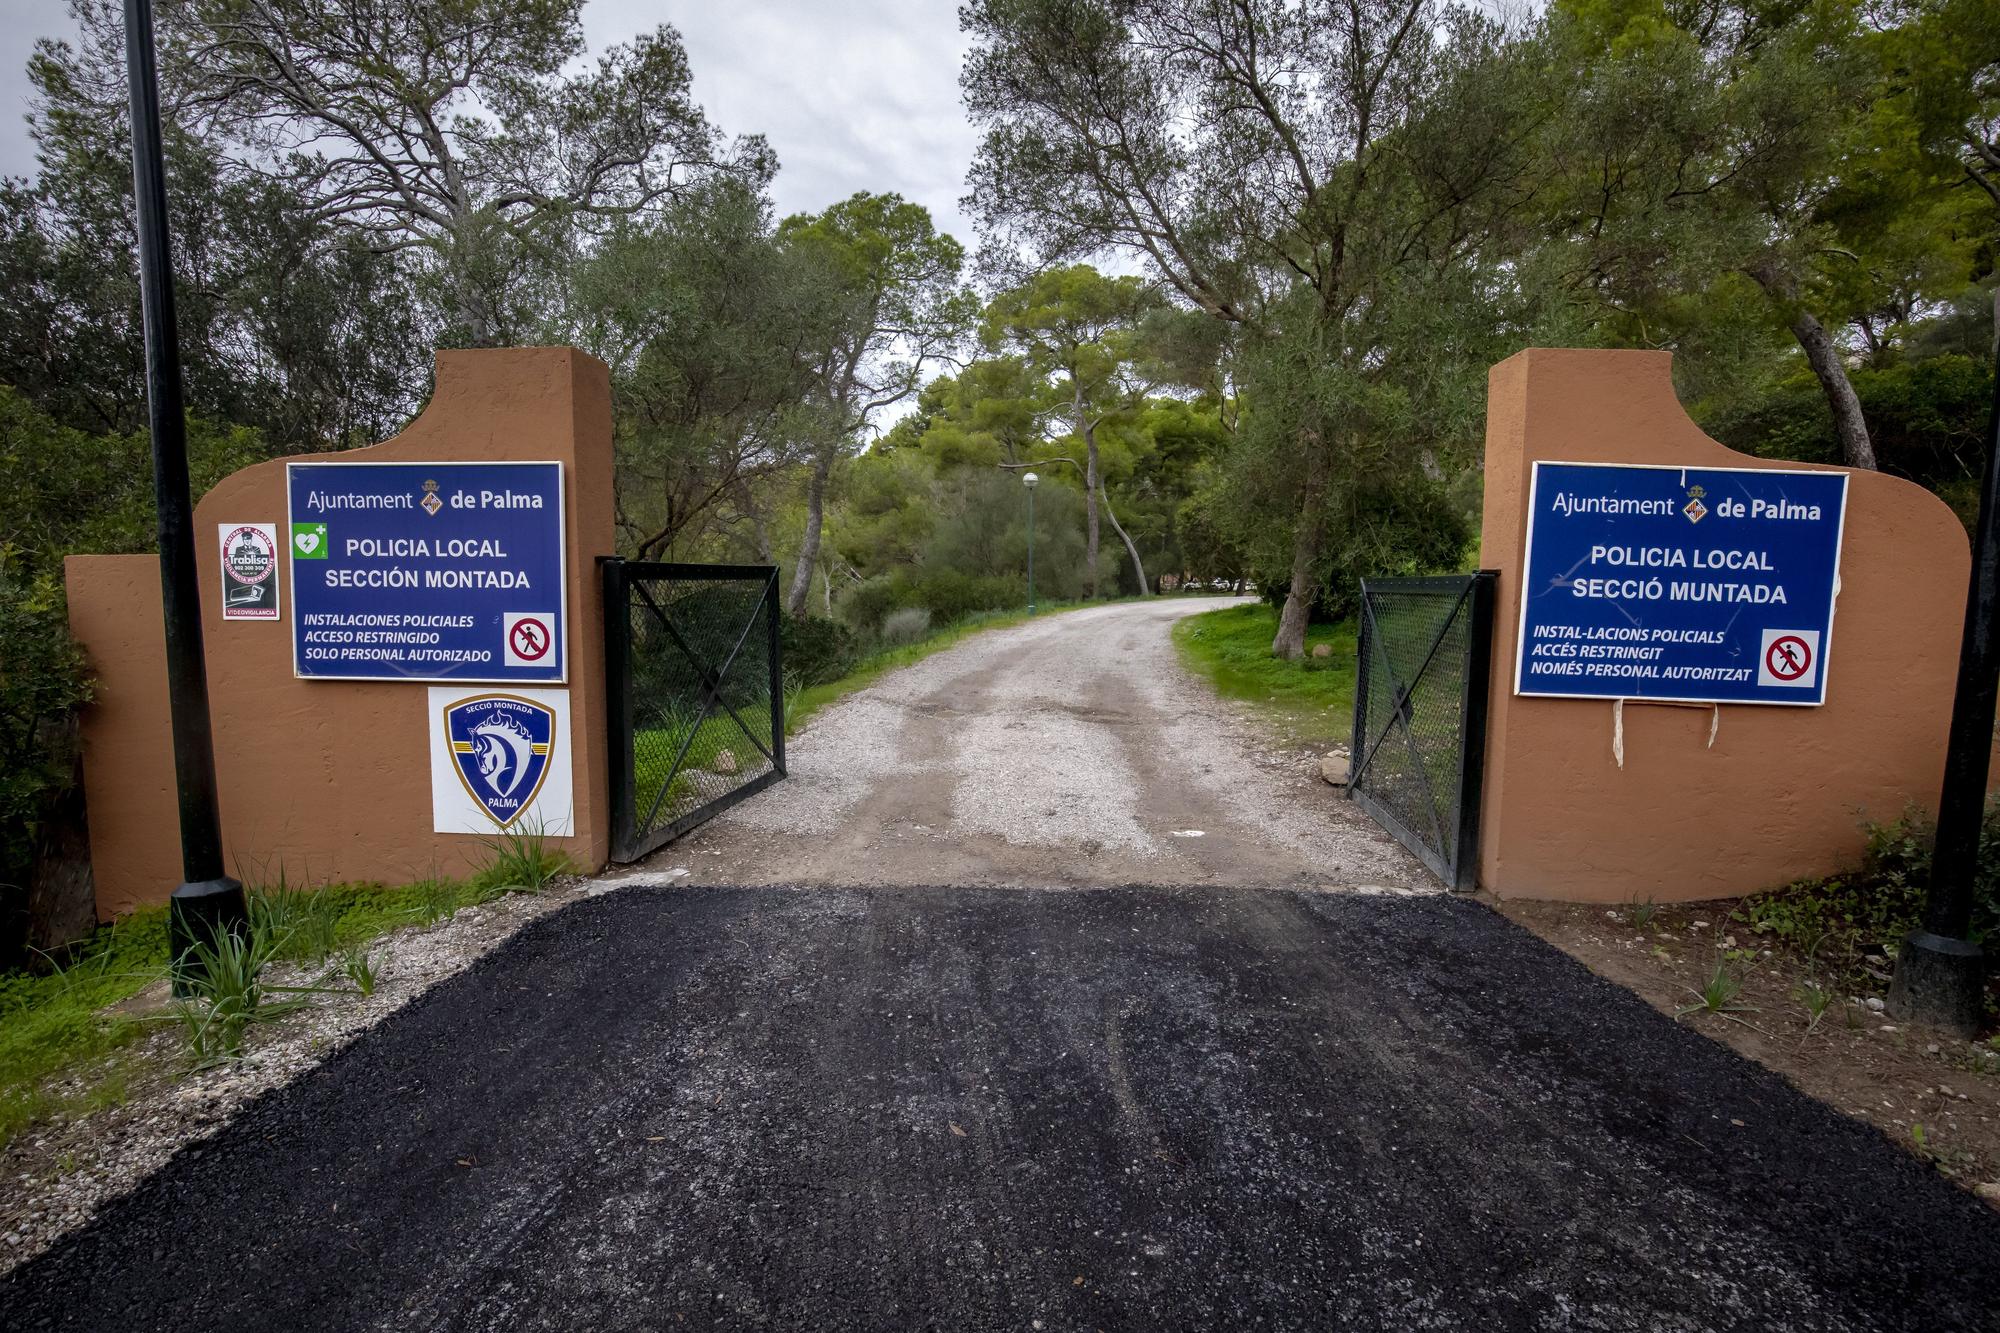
x=853, y=94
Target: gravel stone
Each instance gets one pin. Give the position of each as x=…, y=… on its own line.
x=1067, y=750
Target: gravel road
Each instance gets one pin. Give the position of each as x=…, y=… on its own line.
x=1070, y=750
x=985, y=1109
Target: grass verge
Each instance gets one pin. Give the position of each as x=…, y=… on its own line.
x=1313, y=699
x=53, y=1023
x=63, y=1041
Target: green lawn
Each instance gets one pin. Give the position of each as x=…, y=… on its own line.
x=699, y=778
x=1312, y=699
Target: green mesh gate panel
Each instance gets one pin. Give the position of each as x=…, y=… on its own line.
x=1425, y=656
x=695, y=694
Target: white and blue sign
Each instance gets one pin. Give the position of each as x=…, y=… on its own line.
x=501, y=746
x=1685, y=585
x=428, y=571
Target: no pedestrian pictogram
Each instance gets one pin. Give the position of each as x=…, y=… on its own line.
x=1788, y=658
x=530, y=636
x=529, y=639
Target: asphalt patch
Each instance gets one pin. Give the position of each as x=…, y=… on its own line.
x=1067, y=1109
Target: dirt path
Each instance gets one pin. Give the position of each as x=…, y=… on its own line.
x=1072, y=750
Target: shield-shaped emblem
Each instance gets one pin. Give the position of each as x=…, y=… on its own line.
x=500, y=746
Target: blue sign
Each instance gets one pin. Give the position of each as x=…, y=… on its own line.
x=428, y=571
x=1691, y=585
x=500, y=746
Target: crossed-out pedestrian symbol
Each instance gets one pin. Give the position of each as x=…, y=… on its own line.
x=529, y=639
x=1788, y=658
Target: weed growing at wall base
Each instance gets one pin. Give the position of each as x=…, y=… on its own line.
x=1816, y=999
x=305, y=922
x=359, y=967
x=521, y=860
x=1717, y=995
x=227, y=992
x=1856, y=921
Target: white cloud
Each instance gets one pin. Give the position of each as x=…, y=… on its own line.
x=853, y=94
x=21, y=22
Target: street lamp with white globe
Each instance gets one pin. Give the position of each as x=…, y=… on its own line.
x=1029, y=479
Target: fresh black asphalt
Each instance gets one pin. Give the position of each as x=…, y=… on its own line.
x=1008, y=1109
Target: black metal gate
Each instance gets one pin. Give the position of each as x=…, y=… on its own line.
x=695, y=691
x=1425, y=657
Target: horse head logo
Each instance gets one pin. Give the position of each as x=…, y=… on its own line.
x=500, y=746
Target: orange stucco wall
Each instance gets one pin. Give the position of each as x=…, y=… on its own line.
x=1782, y=792
x=330, y=780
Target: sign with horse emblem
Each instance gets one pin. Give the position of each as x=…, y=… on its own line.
x=498, y=754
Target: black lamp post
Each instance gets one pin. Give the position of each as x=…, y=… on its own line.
x=1940, y=973
x=1029, y=479
x=207, y=900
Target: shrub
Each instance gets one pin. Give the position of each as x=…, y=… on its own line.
x=42, y=682
x=1926, y=417
x=63, y=491
x=1881, y=900
x=1898, y=863
x=710, y=620
x=949, y=595
x=868, y=603
x=1414, y=528
x=816, y=649
x=906, y=626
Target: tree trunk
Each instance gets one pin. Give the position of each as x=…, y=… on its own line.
x=1131, y=549
x=760, y=531
x=1855, y=448
x=808, y=559
x=1290, y=642
x=466, y=302
x=472, y=314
